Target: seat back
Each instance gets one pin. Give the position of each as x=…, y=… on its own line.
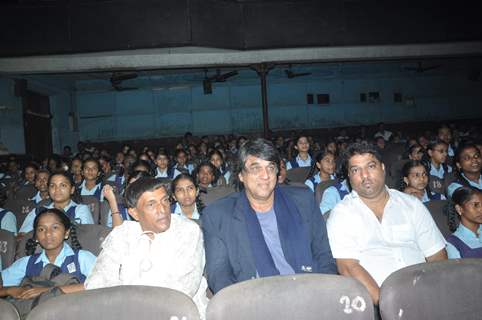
x=320, y=189
x=301, y=296
x=8, y=311
x=298, y=174
x=437, y=209
x=7, y=247
x=443, y=290
x=94, y=206
x=215, y=193
x=20, y=209
x=118, y=303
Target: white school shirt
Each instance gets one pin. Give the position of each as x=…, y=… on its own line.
x=406, y=235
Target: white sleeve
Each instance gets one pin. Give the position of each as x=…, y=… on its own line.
x=342, y=235
x=106, y=271
x=27, y=224
x=429, y=238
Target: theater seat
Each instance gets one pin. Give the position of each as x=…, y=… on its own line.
x=437, y=209
x=298, y=174
x=212, y=194
x=20, y=209
x=94, y=206
x=7, y=248
x=118, y=303
x=8, y=311
x=303, y=296
x=447, y=290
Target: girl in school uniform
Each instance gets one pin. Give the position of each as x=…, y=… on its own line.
x=415, y=182
x=51, y=228
x=163, y=170
x=469, y=164
x=466, y=241
x=186, y=194
x=439, y=171
x=217, y=159
x=303, y=159
x=322, y=170
x=92, y=184
x=61, y=191
x=76, y=171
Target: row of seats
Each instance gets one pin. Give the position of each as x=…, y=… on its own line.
x=445, y=290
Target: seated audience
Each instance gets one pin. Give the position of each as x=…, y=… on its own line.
x=415, y=182
x=469, y=164
x=186, y=195
x=303, y=158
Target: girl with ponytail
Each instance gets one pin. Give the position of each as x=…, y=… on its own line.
x=186, y=194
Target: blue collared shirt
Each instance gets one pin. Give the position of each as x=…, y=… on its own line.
x=425, y=197
x=455, y=185
x=331, y=197
x=301, y=162
x=9, y=222
x=13, y=275
x=440, y=172
x=163, y=174
x=468, y=237
x=86, y=192
x=82, y=216
x=37, y=198
x=178, y=211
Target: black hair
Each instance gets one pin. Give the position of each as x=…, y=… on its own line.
x=431, y=146
x=141, y=163
x=100, y=177
x=406, y=172
x=358, y=148
x=259, y=148
x=31, y=243
x=458, y=154
x=319, y=156
x=216, y=151
x=135, y=190
x=76, y=195
x=216, y=172
x=186, y=176
x=459, y=197
x=412, y=147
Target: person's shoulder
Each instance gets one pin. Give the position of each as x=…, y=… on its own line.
x=86, y=254
x=300, y=191
x=184, y=224
x=404, y=198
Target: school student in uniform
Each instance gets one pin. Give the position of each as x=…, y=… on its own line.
x=163, y=170
x=439, y=171
x=469, y=164
x=466, y=241
x=217, y=159
x=322, y=170
x=41, y=184
x=182, y=164
x=186, y=194
x=92, y=184
x=51, y=228
x=76, y=170
x=303, y=158
x=415, y=182
x=61, y=189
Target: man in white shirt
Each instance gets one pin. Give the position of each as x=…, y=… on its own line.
x=375, y=230
x=158, y=249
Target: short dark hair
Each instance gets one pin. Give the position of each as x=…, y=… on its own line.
x=135, y=190
x=259, y=148
x=359, y=148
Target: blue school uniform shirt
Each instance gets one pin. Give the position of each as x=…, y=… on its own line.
x=455, y=185
x=164, y=174
x=92, y=192
x=437, y=196
x=440, y=172
x=178, y=211
x=331, y=197
x=468, y=237
x=8, y=221
x=317, y=179
x=123, y=211
x=37, y=198
x=82, y=216
x=13, y=275
x=301, y=163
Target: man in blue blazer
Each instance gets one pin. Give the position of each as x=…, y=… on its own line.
x=263, y=230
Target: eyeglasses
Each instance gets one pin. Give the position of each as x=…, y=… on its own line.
x=256, y=170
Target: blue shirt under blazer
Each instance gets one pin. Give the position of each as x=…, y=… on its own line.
x=229, y=257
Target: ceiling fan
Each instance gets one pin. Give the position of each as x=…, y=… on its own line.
x=118, y=77
x=220, y=77
x=291, y=74
x=421, y=69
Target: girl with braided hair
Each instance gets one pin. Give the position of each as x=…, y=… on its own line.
x=186, y=194
x=52, y=228
x=323, y=169
x=466, y=208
